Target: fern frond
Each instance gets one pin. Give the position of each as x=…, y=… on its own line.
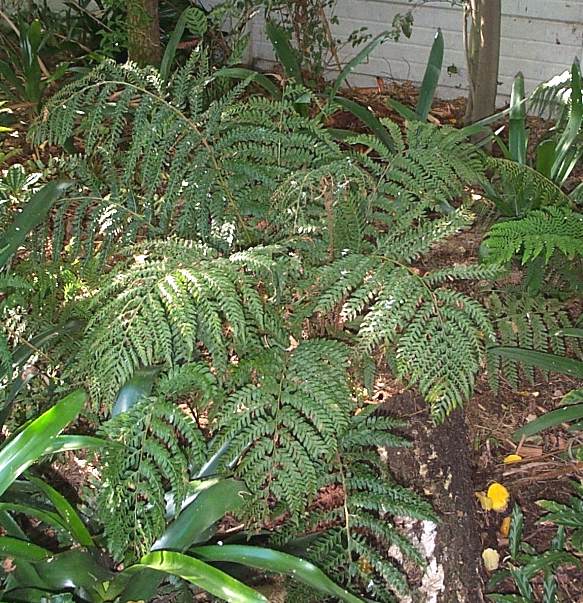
x=437, y=337
x=284, y=421
x=154, y=448
x=167, y=304
x=539, y=232
x=533, y=323
x=524, y=187
x=361, y=500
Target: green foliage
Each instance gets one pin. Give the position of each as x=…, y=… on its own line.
x=532, y=323
x=362, y=502
x=569, y=515
x=392, y=306
x=522, y=188
x=284, y=422
x=175, y=158
x=156, y=444
x=169, y=301
x=540, y=232
x=525, y=565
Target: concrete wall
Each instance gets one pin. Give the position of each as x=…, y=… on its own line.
x=539, y=38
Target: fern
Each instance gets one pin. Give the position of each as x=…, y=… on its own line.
x=284, y=422
x=155, y=449
x=177, y=157
x=173, y=301
x=361, y=500
x=553, y=97
x=539, y=232
x=436, y=337
x=532, y=323
x=524, y=189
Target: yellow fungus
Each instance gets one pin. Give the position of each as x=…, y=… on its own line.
x=512, y=458
x=499, y=496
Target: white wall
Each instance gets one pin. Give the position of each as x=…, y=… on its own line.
x=539, y=38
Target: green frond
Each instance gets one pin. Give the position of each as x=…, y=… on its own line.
x=524, y=187
x=154, y=449
x=533, y=323
x=437, y=337
x=170, y=302
x=539, y=232
x=284, y=421
x=361, y=502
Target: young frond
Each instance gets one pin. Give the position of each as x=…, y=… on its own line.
x=154, y=448
x=284, y=422
x=539, y=232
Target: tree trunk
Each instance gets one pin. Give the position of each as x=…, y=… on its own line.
x=143, y=25
x=482, y=25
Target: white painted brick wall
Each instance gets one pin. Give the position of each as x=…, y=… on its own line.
x=539, y=38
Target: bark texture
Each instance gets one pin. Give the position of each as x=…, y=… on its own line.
x=482, y=29
x=143, y=24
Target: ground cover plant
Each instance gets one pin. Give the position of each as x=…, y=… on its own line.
x=228, y=277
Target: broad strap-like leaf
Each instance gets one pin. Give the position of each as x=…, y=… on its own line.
x=32, y=442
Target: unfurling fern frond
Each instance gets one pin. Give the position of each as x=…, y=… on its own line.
x=362, y=547
x=169, y=303
x=154, y=449
x=284, y=422
x=532, y=323
x=436, y=337
x=540, y=232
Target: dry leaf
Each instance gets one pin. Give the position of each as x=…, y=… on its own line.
x=505, y=527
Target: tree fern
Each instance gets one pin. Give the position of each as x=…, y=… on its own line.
x=173, y=301
x=361, y=502
x=532, y=323
x=284, y=422
x=539, y=232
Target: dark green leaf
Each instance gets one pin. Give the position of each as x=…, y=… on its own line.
x=275, y=561
x=431, y=77
x=34, y=213
x=357, y=60
x=368, y=119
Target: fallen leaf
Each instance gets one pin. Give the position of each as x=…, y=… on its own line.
x=484, y=500
x=491, y=559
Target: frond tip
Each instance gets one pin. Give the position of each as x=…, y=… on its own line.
x=540, y=232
